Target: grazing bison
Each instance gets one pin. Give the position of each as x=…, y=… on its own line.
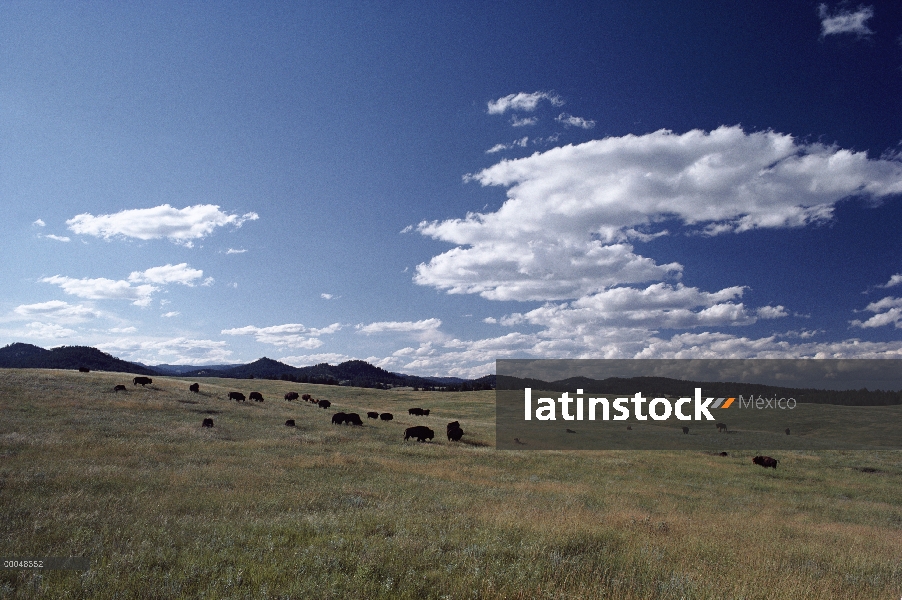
x=207, y=423
x=570, y=431
x=324, y=404
x=629, y=427
x=455, y=433
x=142, y=380
x=289, y=423
x=421, y=432
x=787, y=431
x=517, y=440
x=339, y=418
x=415, y=411
x=723, y=454
x=237, y=396
x=84, y=370
x=353, y=419
x=120, y=387
x=194, y=387
x=306, y=397
x=291, y=396
x=721, y=426
x=256, y=396
x=372, y=415
x=685, y=430
x=766, y=461
x=386, y=416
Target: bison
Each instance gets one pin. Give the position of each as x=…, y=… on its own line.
x=415, y=411
x=723, y=454
x=685, y=430
x=455, y=433
x=372, y=415
x=120, y=387
x=306, y=397
x=142, y=380
x=421, y=432
x=207, y=423
x=766, y=461
x=84, y=370
x=629, y=427
x=570, y=431
x=237, y=396
x=256, y=396
x=386, y=416
x=339, y=418
x=194, y=387
x=291, y=396
x=787, y=431
x=721, y=426
x=324, y=404
x=289, y=423
x=353, y=419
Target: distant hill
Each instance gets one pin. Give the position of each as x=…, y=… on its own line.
x=27, y=356
x=179, y=370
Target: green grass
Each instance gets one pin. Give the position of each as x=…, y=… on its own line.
x=254, y=509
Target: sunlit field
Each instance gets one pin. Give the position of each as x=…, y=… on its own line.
x=252, y=508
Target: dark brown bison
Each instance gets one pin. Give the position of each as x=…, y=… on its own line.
x=787, y=431
x=421, y=432
x=256, y=396
x=629, y=427
x=207, y=423
x=685, y=430
x=765, y=461
x=291, y=396
x=237, y=396
x=455, y=433
x=194, y=387
x=570, y=431
x=353, y=419
x=721, y=426
x=386, y=416
x=289, y=423
x=306, y=397
x=324, y=404
x=119, y=388
x=84, y=370
x=372, y=415
x=415, y=411
x=142, y=380
x=339, y=418
x=723, y=454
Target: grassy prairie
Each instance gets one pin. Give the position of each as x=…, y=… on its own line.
x=254, y=509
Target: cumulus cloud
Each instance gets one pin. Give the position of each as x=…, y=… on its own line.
x=521, y=143
x=571, y=121
x=525, y=121
x=56, y=311
x=426, y=329
x=39, y=223
x=845, y=21
x=893, y=281
x=234, y=251
x=170, y=314
x=522, y=102
x=306, y=360
x=888, y=311
x=292, y=335
x=58, y=238
x=325, y=296
x=178, y=225
x=48, y=330
x=561, y=233
x=180, y=273
x=104, y=289
x=174, y=351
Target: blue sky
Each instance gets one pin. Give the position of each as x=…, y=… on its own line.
x=430, y=188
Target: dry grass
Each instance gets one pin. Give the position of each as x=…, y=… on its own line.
x=254, y=509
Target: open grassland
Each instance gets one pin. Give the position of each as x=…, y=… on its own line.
x=254, y=509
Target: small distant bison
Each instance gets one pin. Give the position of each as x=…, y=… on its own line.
x=685, y=430
x=421, y=432
x=353, y=419
x=386, y=416
x=629, y=427
x=84, y=370
x=455, y=432
x=339, y=418
x=142, y=380
x=324, y=404
x=291, y=396
x=237, y=396
x=721, y=427
x=256, y=396
x=120, y=388
x=723, y=454
x=570, y=431
x=289, y=423
x=418, y=411
x=372, y=415
x=306, y=397
x=765, y=461
x=787, y=431
x=207, y=423
x=194, y=387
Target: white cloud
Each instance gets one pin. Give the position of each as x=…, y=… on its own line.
x=521, y=143
x=306, y=360
x=893, y=281
x=173, y=313
x=58, y=238
x=571, y=121
x=208, y=282
x=561, y=232
x=104, y=289
x=326, y=296
x=522, y=101
x=234, y=251
x=425, y=330
x=56, y=311
x=771, y=312
x=888, y=311
x=123, y=330
x=293, y=335
x=176, y=351
x=845, y=21
x=178, y=225
x=180, y=273
x=39, y=223
x=525, y=121
x=492, y=150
